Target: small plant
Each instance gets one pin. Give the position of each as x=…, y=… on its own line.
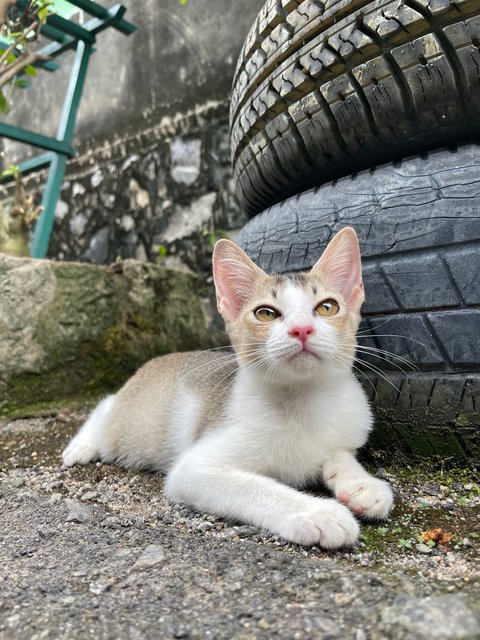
x=17, y=215
x=406, y=543
x=19, y=30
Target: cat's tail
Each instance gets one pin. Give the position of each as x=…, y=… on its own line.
x=86, y=445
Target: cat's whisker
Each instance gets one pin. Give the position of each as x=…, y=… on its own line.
x=378, y=372
x=393, y=335
x=388, y=357
x=377, y=326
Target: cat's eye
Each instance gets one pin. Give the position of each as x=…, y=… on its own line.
x=327, y=308
x=266, y=314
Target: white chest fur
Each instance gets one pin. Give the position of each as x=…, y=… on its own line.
x=289, y=434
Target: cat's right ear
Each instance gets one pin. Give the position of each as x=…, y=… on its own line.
x=234, y=274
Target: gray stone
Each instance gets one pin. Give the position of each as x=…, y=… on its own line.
x=61, y=210
x=423, y=548
x=68, y=329
x=77, y=224
x=189, y=220
x=446, y=617
x=151, y=556
x=96, y=179
x=185, y=160
x=78, y=512
x=97, y=251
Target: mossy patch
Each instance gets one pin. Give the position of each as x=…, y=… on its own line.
x=98, y=327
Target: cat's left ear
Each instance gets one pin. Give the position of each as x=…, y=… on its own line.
x=234, y=274
x=340, y=265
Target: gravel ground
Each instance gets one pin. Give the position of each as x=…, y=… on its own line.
x=97, y=552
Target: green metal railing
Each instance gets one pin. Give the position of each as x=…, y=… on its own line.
x=64, y=35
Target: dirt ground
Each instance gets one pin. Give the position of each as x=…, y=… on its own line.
x=98, y=552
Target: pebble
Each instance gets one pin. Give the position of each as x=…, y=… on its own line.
x=263, y=624
x=79, y=512
x=423, y=548
x=151, y=556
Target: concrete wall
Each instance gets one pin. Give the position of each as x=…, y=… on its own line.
x=152, y=131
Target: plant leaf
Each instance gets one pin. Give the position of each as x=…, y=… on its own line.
x=4, y=108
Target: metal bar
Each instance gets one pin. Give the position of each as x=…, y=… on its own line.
x=52, y=33
x=92, y=8
x=32, y=164
x=51, y=193
x=70, y=28
x=74, y=92
x=95, y=25
x=43, y=227
x=114, y=19
x=35, y=164
x=35, y=139
x=55, y=49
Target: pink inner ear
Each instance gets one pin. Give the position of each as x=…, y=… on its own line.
x=234, y=275
x=340, y=265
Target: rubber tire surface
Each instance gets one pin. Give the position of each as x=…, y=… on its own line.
x=418, y=224
x=327, y=87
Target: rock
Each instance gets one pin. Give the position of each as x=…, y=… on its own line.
x=423, y=548
x=445, y=617
x=79, y=512
x=67, y=329
x=97, y=251
x=189, y=220
x=151, y=556
x=185, y=160
x=96, y=179
x=61, y=210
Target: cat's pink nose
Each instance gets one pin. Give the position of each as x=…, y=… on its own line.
x=302, y=333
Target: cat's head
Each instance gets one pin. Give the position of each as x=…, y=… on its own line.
x=295, y=324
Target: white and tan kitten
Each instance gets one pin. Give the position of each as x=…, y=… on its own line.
x=240, y=436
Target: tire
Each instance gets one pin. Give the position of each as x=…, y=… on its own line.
x=418, y=224
x=324, y=88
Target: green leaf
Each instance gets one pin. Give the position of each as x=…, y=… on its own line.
x=406, y=543
x=22, y=83
x=4, y=108
x=43, y=15
x=30, y=70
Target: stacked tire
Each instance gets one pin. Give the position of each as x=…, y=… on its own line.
x=376, y=105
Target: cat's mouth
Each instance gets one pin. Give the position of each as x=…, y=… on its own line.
x=303, y=354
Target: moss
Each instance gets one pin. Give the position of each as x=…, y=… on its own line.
x=399, y=533
x=100, y=326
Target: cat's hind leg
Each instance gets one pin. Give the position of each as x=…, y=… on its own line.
x=86, y=445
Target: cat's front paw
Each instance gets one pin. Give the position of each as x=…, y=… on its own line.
x=329, y=525
x=79, y=451
x=366, y=496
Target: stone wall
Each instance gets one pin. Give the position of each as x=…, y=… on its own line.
x=152, y=173
x=166, y=191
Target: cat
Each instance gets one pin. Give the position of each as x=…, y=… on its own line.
x=241, y=436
